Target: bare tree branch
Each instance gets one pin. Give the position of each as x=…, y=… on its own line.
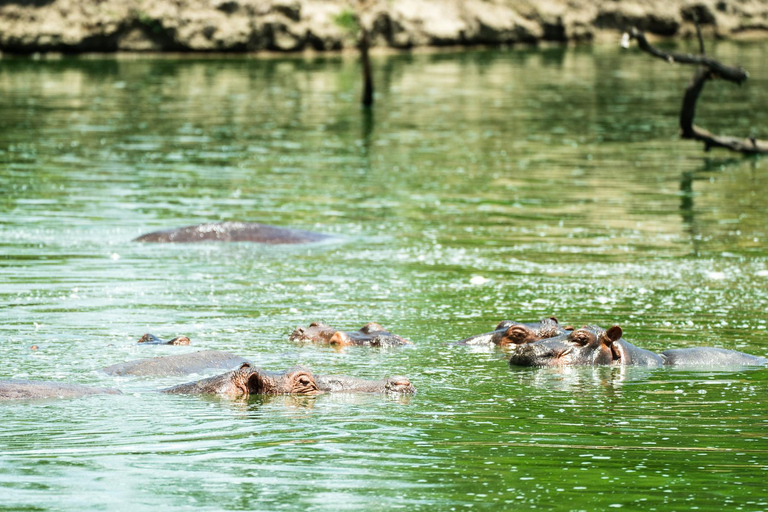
x=708, y=69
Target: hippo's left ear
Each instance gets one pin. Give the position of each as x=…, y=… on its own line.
x=610, y=337
x=554, y=319
x=614, y=333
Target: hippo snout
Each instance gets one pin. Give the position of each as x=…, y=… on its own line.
x=399, y=384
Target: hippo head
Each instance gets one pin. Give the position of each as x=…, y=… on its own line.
x=511, y=333
x=248, y=380
x=369, y=334
x=589, y=345
x=399, y=385
x=151, y=339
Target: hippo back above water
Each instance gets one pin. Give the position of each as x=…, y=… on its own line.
x=233, y=232
x=591, y=345
x=17, y=389
x=179, y=364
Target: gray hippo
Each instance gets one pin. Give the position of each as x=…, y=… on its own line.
x=151, y=339
x=233, y=232
x=17, y=389
x=591, y=345
x=509, y=332
x=248, y=380
x=371, y=334
x=179, y=364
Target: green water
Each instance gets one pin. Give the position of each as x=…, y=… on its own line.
x=556, y=175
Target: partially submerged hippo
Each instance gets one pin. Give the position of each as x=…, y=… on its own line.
x=17, y=389
x=371, y=334
x=151, y=339
x=233, y=232
x=180, y=364
x=509, y=332
x=592, y=345
x=249, y=380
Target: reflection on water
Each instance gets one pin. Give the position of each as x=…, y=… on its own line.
x=485, y=185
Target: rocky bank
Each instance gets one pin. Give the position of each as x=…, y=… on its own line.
x=296, y=25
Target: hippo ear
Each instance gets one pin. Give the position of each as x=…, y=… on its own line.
x=371, y=327
x=614, y=333
x=554, y=319
x=244, y=366
x=340, y=338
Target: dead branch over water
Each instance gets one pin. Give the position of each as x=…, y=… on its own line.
x=708, y=69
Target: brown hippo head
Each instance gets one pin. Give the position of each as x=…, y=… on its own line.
x=249, y=380
x=151, y=339
x=511, y=333
x=588, y=345
x=371, y=334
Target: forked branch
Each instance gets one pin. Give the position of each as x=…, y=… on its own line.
x=708, y=69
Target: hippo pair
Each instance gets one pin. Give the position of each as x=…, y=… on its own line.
x=371, y=334
x=546, y=343
x=245, y=380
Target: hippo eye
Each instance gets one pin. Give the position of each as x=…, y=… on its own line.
x=304, y=384
x=580, y=338
x=518, y=334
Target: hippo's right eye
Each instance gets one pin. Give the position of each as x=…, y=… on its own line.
x=580, y=338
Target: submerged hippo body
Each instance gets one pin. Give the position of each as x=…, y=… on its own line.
x=592, y=345
x=249, y=380
x=233, y=232
x=181, y=364
x=16, y=389
x=151, y=339
x=509, y=332
x=371, y=334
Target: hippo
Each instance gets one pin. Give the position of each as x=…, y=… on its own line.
x=591, y=345
x=151, y=339
x=509, y=332
x=18, y=389
x=371, y=334
x=180, y=364
x=248, y=380
x=233, y=232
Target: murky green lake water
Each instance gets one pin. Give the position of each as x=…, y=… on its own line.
x=555, y=175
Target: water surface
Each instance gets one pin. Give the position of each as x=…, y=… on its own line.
x=556, y=175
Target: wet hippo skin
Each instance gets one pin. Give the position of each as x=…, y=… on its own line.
x=151, y=339
x=17, y=389
x=509, y=332
x=371, y=334
x=248, y=380
x=233, y=232
x=181, y=364
x=592, y=345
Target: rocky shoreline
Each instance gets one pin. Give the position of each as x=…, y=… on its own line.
x=75, y=26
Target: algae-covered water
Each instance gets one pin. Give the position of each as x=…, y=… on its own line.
x=486, y=185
